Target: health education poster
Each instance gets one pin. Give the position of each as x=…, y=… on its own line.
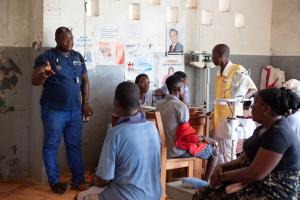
x=84, y=44
x=138, y=59
x=138, y=54
x=167, y=65
x=109, y=48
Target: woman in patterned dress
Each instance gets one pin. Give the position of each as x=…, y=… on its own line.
x=269, y=167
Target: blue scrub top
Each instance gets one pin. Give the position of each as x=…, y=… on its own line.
x=62, y=90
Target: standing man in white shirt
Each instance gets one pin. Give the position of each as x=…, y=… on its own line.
x=230, y=79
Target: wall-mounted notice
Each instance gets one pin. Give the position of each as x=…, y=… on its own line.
x=109, y=32
x=109, y=49
x=84, y=45
x=139, y=59
x=133, y=30
x=52, y=7
x=167, y=65
x=105, y=52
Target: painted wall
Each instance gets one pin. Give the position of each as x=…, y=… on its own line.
x=286, y=28
x=253, y=39
x=285, y=47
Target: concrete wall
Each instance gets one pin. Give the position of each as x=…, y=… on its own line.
x=14, y=111
x=14, y=122
x=285, y=47
x=14, y=23
x=35, y=23
x=21, y=24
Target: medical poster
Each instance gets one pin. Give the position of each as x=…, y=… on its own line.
x=109, y=48
x=105, y=52
x=167, y=65
x=120, y=54
x=84, y=45
x=109, y=52
x=175, y=40
x=138, y=60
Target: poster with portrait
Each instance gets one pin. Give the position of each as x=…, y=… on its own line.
x=175, y=40
x=167, y=65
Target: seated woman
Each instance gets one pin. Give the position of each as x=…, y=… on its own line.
x=146, y=98
x=269, y=167
x=294, y=116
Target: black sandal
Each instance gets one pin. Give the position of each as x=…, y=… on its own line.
x=59, y=187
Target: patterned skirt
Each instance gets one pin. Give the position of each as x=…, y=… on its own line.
x=278, y=185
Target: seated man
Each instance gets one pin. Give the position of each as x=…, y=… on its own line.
x=185, y=95
x=142, y=80
x=129, y=166
x=175, y=113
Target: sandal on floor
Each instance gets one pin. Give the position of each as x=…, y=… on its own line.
x=59, y=187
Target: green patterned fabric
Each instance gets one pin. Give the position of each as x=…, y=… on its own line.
x=277, y=185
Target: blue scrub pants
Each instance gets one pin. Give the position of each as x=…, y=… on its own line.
x=69, y=124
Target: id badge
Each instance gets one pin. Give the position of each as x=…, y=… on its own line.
x=76, y=80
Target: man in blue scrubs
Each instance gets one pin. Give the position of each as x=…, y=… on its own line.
x=129, y=165
x=64, y=102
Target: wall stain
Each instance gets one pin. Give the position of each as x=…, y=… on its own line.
x=9, y=166
x=9, y=72
x=14, y=149
x=9, y=169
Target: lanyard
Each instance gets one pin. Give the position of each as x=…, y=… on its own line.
x=75, y=61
